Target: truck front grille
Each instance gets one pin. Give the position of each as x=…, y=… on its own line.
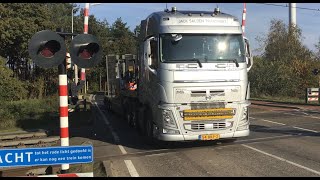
x=205, y=126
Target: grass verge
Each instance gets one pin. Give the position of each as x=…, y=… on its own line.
x=39, y=114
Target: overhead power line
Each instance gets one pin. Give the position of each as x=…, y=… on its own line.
x=279, y=5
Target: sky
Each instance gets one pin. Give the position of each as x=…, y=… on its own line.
x=258, y=16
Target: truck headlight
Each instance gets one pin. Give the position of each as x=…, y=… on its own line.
x=170, y=131
x=168, y=119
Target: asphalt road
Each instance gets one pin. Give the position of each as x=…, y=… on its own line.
x=282, y=142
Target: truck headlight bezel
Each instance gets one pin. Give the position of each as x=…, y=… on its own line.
x=244, y=121
x=168, y=119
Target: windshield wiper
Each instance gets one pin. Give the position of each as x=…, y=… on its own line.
x=235, y=61
x=187, y=61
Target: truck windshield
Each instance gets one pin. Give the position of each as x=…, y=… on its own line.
x=204, y=47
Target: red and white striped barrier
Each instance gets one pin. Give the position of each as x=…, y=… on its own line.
x=313, y=99
x=244, y=17
x=64, y=125
x=83, y=74
x=90, y=174
x=86, y=18
x=85, y=31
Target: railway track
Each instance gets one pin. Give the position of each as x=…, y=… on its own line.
x=28, y=139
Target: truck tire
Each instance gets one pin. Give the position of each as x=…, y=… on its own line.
x=151, y=140
x=134, y=118
x=140, y=120
x=130, y=119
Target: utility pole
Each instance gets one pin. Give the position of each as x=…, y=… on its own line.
x=107, y=68
x=75, y=66
x=292, y=14
x=100, y=87
x=85, y=31
x=243, y=25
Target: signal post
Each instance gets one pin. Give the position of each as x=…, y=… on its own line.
x=47, y=49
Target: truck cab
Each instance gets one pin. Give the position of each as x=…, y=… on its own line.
x=193, y=76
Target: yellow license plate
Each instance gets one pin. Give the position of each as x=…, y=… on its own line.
x=206, y=137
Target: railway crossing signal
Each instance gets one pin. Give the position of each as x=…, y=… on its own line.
x=85, y=51
x=47, y=49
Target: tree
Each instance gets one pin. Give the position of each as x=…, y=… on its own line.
x=124, y=40
x=285, y=68
x=19, y=21
x=284, y=43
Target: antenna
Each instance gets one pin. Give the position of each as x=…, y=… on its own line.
x=217, y=5
x=166, y=10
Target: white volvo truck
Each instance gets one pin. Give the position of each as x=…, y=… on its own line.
x=193, y=77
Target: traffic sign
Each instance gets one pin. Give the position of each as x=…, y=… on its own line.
x=46, y=156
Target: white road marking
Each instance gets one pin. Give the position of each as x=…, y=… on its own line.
x=114, y=134
x=160, y=154
x=132, y=170
x=272, y=122
x=292, y=126
x=122, y=149
x=282, y=159
x=305, y=129
x=303, y=115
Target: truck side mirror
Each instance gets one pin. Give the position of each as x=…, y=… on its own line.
x=147, y=55
x=249, y=58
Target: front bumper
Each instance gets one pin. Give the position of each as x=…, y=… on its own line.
x=183, y=137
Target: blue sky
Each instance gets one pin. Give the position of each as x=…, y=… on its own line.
x=257, y=19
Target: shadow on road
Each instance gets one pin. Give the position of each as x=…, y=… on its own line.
x=95, y=129
x=282, y=130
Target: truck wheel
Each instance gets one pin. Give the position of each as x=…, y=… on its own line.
x=151, y=140
x=130, y=119
x=134, y=118
x=140, y=121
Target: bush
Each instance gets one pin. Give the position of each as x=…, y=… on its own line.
x=11, y=89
